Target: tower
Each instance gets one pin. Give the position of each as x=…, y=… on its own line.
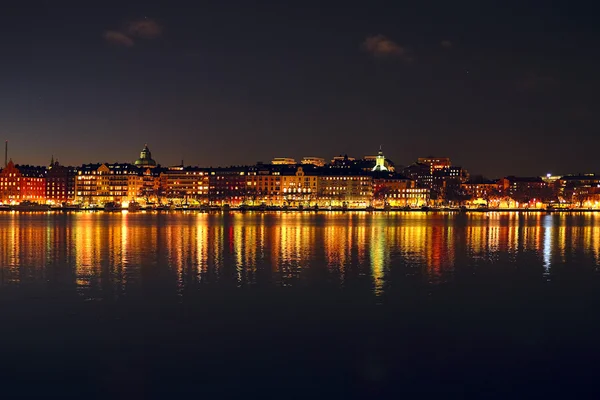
x=379, y=162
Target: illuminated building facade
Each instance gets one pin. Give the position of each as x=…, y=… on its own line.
x=103, y=183
x=227, y=186
x=22, y=183
x=263, y=186
x=283, y=161
x=299, y=188
x=276, y=186
x=119, y=182
x=398, y=192
x=484, y=190
x=87, y=183
x=568, y=187
x=316, y=161
x=33, y=183
x=10, y=183
x=438, y=175
x=186, y=184
x=435, y=163
x=344, y=182
x=526, y=189
x=340, y=190
x=587, y=196
x=151, y=189
x=60, y=183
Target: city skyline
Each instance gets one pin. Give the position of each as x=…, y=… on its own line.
x=345, y=182
x=220, y=84
x=272, y=160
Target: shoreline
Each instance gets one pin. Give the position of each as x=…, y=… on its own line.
x=307, y=210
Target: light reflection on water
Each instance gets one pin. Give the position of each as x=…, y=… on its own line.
x=110, y=255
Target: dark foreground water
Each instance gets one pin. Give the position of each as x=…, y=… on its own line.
x=294, y=305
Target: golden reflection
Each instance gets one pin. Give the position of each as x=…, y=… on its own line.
x=105, y=254
x=379, y=256
x=561, y=240
x=547, y=250
x=201, y=249
x=337, y=247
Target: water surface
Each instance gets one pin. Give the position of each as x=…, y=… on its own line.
x=141, y=305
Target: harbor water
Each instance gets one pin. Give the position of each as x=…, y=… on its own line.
x=290, y=305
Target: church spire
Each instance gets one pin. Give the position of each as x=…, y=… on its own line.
x=380, y=161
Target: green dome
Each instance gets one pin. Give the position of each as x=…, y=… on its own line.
x=145, y=159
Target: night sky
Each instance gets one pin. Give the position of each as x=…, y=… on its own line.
x=500, y=87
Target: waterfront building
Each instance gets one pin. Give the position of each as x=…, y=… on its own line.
x=566, y=188
x=440, y=176
x=185, y=184
x=87, y=183
x=398, y=192
x=344, y=190
x=60, y=183
x=281, y=185
x=33, y=183
x=299, y=188
x=103, y=183
x=532, y=190
x=227, y=186
x=485, y=189
x=151, y=190
x=587, y=196
x=10, y=183
x=22, y=183
x=446, y=183
x=263, y=186
x=134, y=181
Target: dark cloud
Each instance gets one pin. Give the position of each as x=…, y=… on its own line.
x=382, y=46
x=446, y=44
x=144, y=28
x=118, y=38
